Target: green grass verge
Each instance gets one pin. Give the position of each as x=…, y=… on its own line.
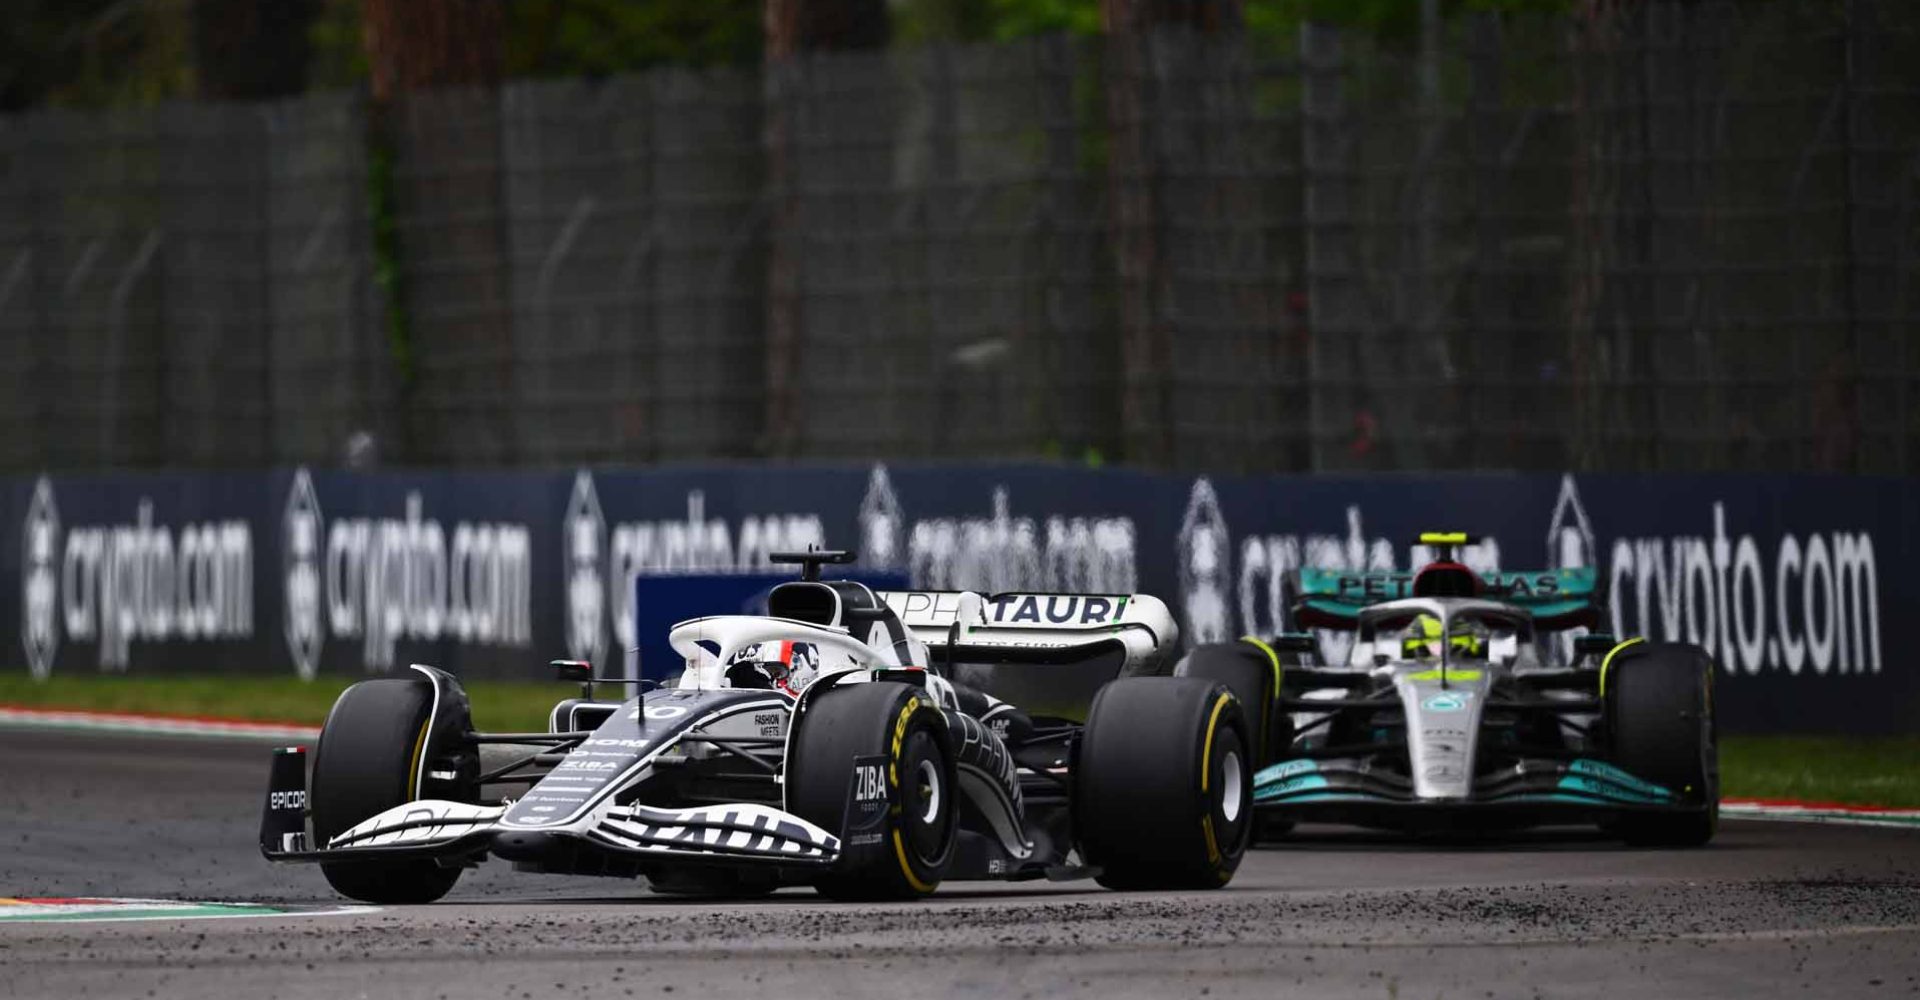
x=1884, y=772
x=1831, y=769
x=502, y=706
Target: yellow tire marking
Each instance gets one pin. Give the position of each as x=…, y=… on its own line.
x=413, y=770
x=1206, y=749
x=1608, y=662
x=906, y=869
x=1206, y=772
x=899, y=734
x=893, y=777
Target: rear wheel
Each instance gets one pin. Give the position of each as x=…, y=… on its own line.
x=1163, y=784
x=897, y=733
x=1659, y=705
x=365, y=764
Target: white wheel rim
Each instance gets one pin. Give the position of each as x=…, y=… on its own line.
x=1232, y=781
x=929, y=778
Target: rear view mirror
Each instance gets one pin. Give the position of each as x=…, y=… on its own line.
x=575, y=670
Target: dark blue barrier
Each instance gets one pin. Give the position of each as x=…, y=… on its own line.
x=662, y=599
x=1793, y=581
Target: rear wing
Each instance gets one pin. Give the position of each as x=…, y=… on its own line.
x=1049, y=654
x=1037, y=621
x=1558, y=599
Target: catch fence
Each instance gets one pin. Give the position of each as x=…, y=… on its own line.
x=1675, y=237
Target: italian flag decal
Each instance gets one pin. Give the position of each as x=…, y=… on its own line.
x=76, y=909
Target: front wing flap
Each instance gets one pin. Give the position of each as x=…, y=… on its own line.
x=443, y=830
x=1582, y=782
x=745, y=832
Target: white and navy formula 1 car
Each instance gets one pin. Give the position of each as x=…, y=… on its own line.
x=1446, y=715
x=871, y=745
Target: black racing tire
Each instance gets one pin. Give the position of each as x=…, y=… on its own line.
x=1163, y=792
x=878, y=719
x=1254, y=677
x=366, y=763
x=1659, y=708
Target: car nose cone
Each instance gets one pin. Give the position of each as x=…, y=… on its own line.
x=523, y=845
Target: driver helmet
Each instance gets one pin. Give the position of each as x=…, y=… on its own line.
x=1468, y=639
x=778, y=666
x=1421, y=640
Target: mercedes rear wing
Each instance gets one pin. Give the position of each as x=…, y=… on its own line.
x=1558, y=599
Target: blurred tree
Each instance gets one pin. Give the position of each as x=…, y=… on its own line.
x=927, y=22
x=1279, y=21
x=794, y=28
x=93, y=52
x=419, y=44
x=917, y=21
x=339, y=59
x=1210, y=16
x=96, y=52
x=599, y=37
x=251, y=48
x=1134, y=210
x=416, y=45
x=561, y=38
x=1020, y=18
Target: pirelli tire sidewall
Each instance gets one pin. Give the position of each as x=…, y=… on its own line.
x=900, y=726
x=1163, y=784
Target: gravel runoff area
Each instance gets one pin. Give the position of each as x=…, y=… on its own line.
x=1770, y=910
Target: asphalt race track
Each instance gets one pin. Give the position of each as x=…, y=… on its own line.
x=1771, y=910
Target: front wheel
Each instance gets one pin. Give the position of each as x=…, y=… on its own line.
x=1163, y=789
x=366, y=763
x=869, y=761
x=1659, y=705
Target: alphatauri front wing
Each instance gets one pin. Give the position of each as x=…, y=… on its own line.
x=738, y=833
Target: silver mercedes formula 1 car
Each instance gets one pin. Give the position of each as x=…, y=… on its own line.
x=1447, y=716
x=870, y=745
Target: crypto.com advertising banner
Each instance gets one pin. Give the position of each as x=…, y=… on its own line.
x=1797, y=584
